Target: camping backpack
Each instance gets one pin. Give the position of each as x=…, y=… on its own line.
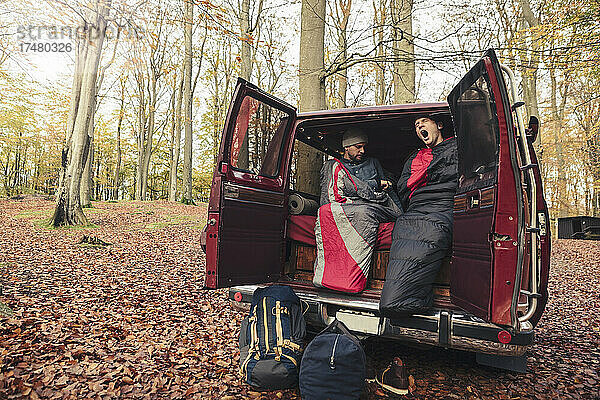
x=271, y=338
x=333, y=365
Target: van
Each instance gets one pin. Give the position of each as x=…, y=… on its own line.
x=492, y=288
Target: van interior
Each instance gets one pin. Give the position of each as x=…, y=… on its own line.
x=392, y=140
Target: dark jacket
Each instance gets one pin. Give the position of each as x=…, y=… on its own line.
x=429, y=179
x=369, y=170
x=423, y=234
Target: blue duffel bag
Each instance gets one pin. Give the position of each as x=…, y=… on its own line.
x=333, y=365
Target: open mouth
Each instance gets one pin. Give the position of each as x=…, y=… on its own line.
x=424, y=134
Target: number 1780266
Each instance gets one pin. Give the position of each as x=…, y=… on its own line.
x=45, y=47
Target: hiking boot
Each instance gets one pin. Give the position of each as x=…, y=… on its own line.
x=394, y=378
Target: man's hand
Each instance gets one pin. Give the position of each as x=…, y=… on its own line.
x=385, y=185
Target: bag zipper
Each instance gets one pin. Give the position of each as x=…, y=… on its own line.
x=332, y=360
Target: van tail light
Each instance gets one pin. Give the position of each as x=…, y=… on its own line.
x=503, y=336
x=237, y=296
x=223, y=167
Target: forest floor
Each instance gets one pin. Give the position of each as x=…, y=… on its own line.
x=131, y=320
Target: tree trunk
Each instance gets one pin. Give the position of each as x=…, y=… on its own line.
x=68, y=207
x=312, y=87
x=141, y=134
x=87, y=183
x=97, y=185
x=149, y=136
x=342, y=12
x=529, y=71
x=117, y=175
x=593, y=150
x=596, y=198
x=187, y=101
x=404, y=52
x=245, y=71
x=563, y=203
x=379, y=22
x=176, y=145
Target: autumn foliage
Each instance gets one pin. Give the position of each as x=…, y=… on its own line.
x=131, y=319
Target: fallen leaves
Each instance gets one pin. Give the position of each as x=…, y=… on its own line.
x=132, y=320
x=119, y=321
x=564, y=361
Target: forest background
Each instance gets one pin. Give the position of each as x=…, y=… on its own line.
x=166, y=69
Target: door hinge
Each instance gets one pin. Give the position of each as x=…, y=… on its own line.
x=528, y=166
x=517, y=105
x=529, y=294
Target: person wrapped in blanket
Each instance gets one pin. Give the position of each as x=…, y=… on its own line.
x=422, y=235
x=354, y=202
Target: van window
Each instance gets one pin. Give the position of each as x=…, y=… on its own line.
x=258, y=138
x=477, y=129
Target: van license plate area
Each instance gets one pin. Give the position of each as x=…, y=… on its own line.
x=359, y=321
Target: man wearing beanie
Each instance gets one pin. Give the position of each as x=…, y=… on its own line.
x=353, y=204
x=359, y=165
x=366, y=168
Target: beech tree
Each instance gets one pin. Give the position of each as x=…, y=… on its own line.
x=247, y=27
x=403, y=51
x=175, y=142
x=380, y=18
x=342, y=17
x=187, y=101
x=75, y=152
x=312, y=87
x=120, y=116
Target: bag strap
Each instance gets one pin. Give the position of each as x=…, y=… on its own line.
x=338, y=326
x=302, y=302
x=253, y=347
x=278, y=330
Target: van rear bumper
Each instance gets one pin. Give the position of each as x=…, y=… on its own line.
x=443, y=328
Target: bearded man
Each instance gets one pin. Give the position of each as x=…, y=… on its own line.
x=354, y=202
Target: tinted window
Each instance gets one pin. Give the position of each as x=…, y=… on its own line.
x=258, y=138
x=476, y=126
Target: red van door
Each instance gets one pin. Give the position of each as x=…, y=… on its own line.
x=489, y=220
x=248, y=202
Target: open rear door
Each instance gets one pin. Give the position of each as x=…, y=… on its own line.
x=248, y=201
x=489, y=216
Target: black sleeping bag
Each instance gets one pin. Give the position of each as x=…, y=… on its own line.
x=423, y=233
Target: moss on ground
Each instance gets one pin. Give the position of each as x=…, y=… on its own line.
x=5, y=311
